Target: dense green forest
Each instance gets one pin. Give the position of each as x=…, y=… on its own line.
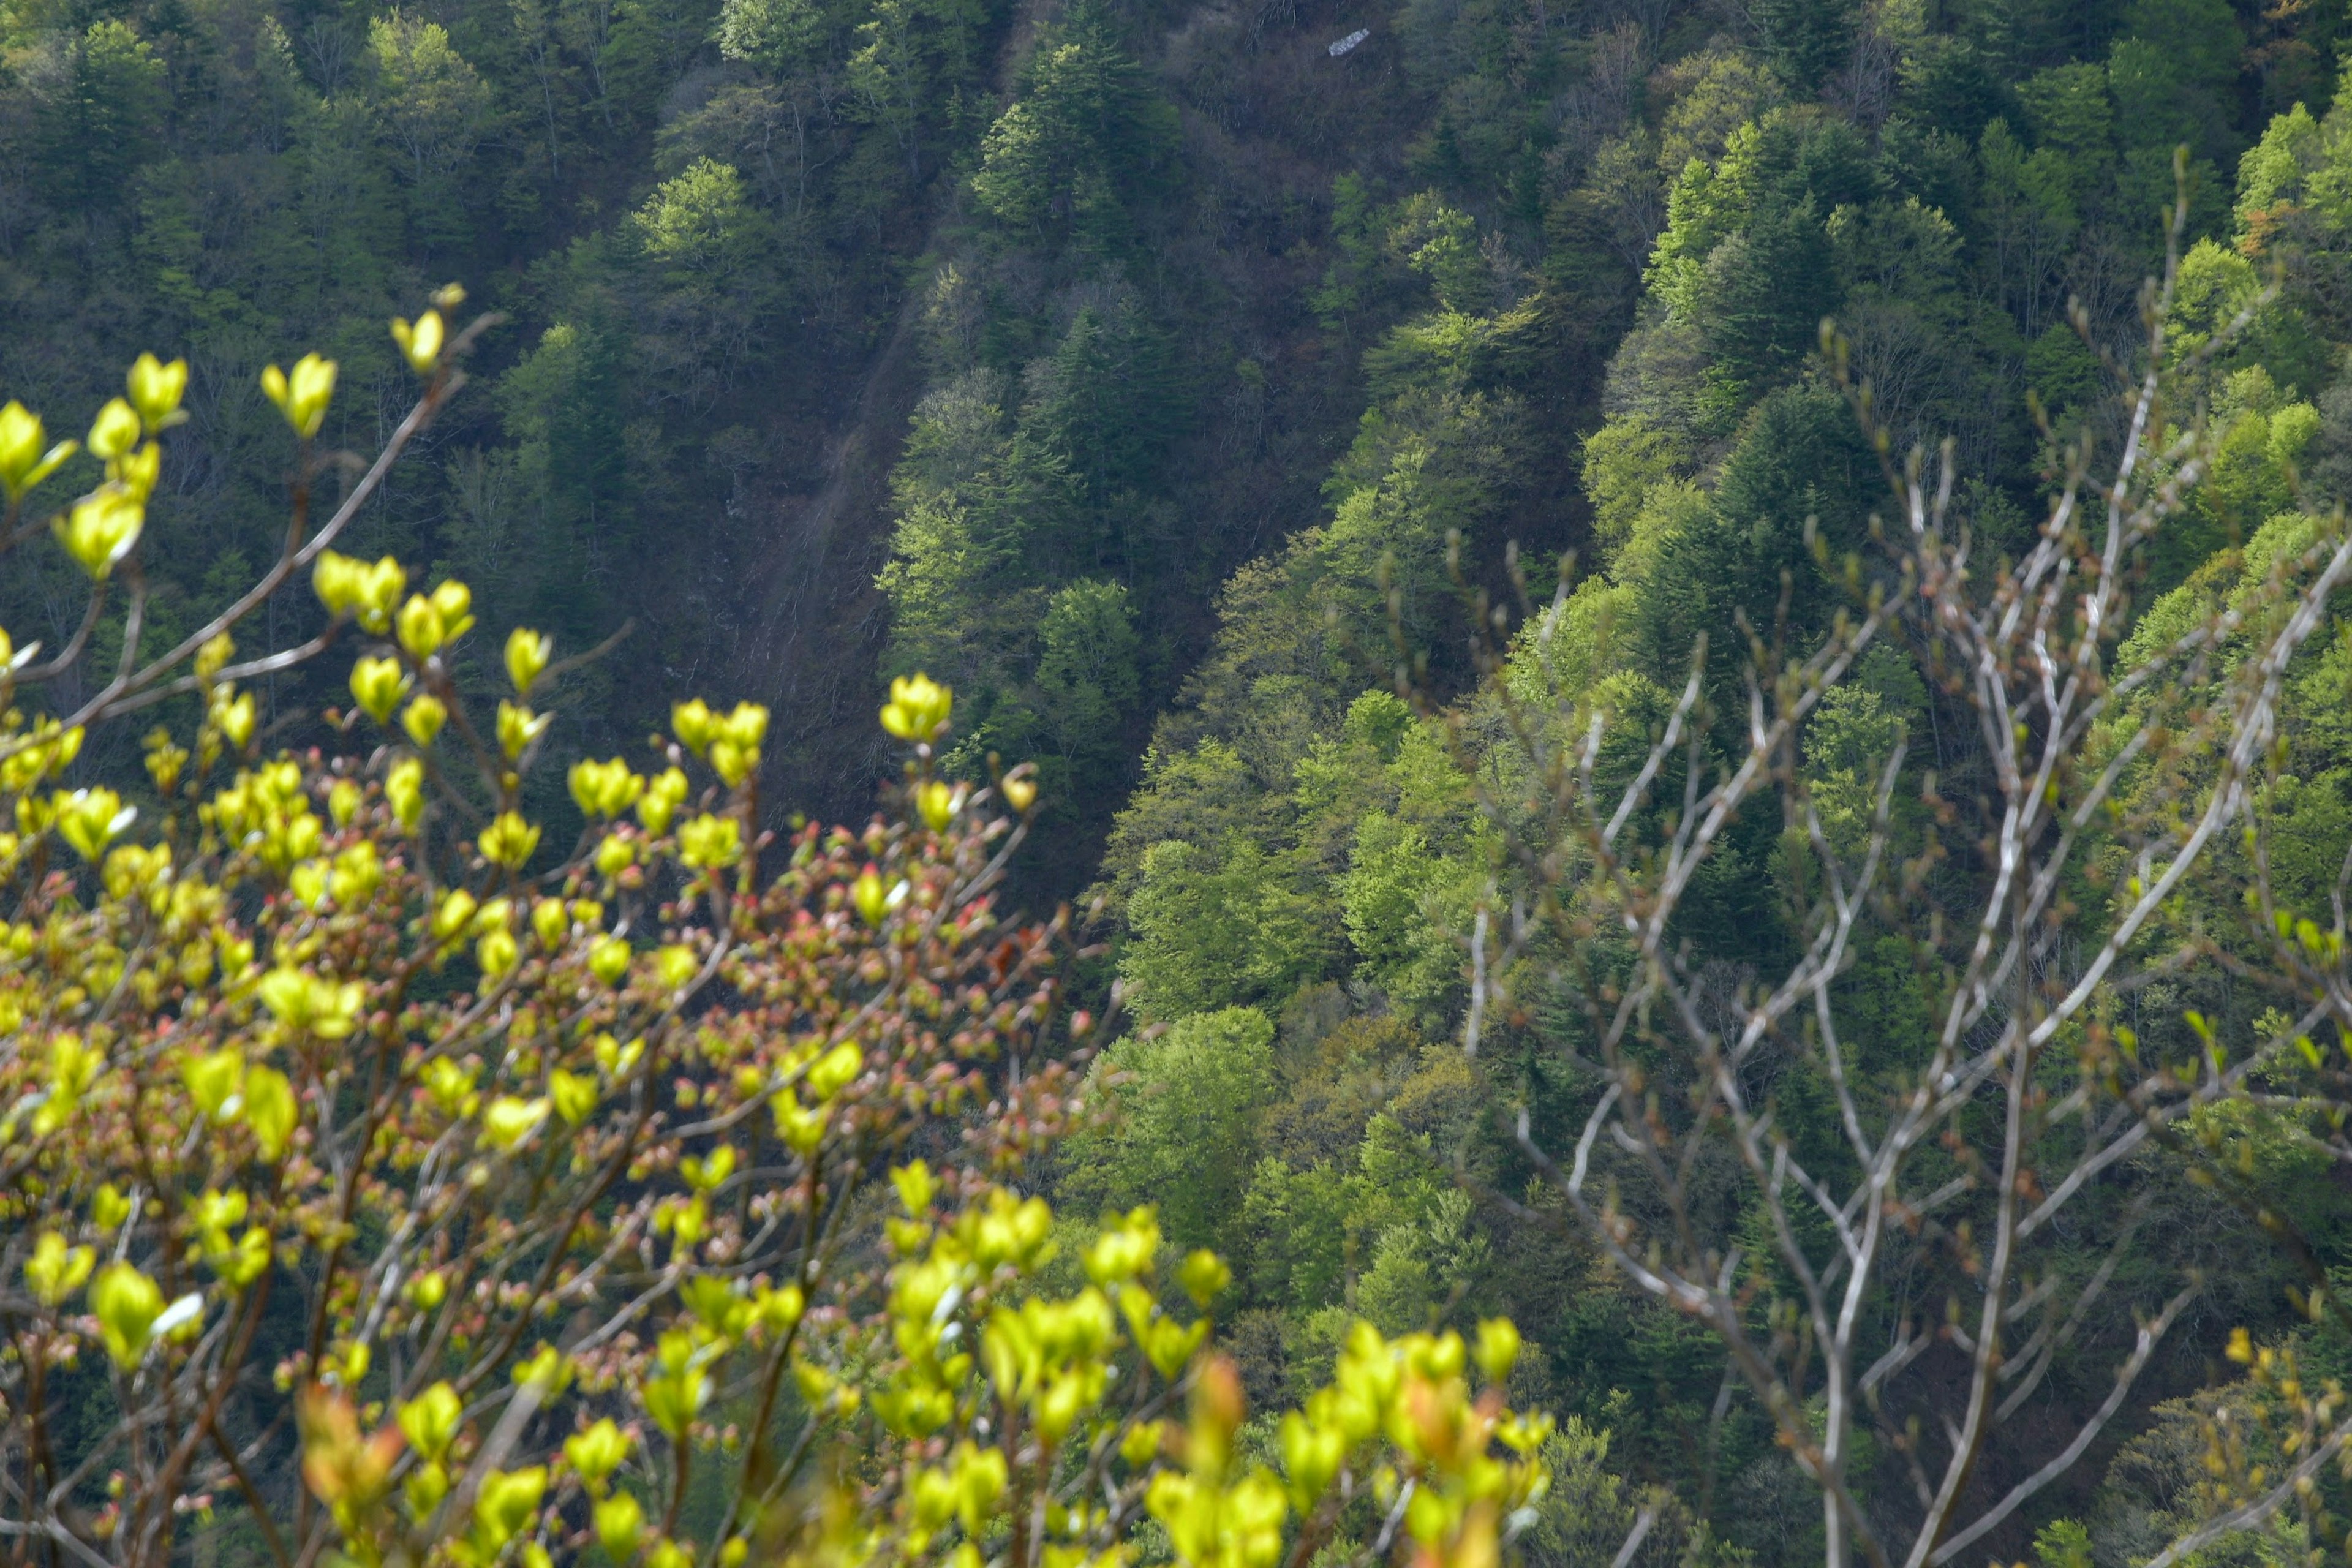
x=1170, y=378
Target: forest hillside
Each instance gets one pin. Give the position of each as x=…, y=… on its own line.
x=1682, y=658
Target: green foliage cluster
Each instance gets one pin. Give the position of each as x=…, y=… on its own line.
x=680, y=206
x=1595, y=285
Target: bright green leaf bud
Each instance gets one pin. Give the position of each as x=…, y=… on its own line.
x=114, y=432
x=573, y=1095
x=54, y=1271
x=429, y=1421
x=620, y=1526
x=527, y=653
x=455, y=602
x=917, y=1186
x=127, y=1305
x=215, y=1079
x=423, y=721
x=937, y=801
x=918, y=708
x=518, y=726
x=156, y=389
x=510, y=841
x=23, y=463
x=711, y=843
x=101, y=528
x=596, y=1453
x=233, y=715
x=873, y=902
x=608, y=960
x=497, y=952
x=1499, y=1349
x=420, y=343
x=836, y=1070
x=403, y=787
x=335, y=579
x=693, y=724
x=270, y=1110
x=547, y=1369
x=614, y=854
x=302, y=397
x=376, y=591
x=137, y=471
x=89, y=819
x=1204, y=1277
x=507, y=1504
x=604, y=789
x=508, y=1120
x=378, y=685
x=663, y=795
x=419, y=628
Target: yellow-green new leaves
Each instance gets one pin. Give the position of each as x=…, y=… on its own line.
x=55, y=1271
x=711, y=843
x=608, y=960
x=966, y=1489
x=215, y=1082
x=115, y=432
x=155, y=391
x=420, y=342
x=508, y=1120
x=504, y=1507
x=419, y=628
x=1204, y=1277
x=404, y=788
x=74, y=1068
x=663, y=793
x=573, y=1095
x=303, y=396
x=730, y=744
x=100, y=528
x=22, y=461
x=546, y=1371
x=1499, y=1349
x=874, y=901
x=89, y=819
x=238, y=1262
x=429, y=1421
x=270, y=1110
x=836, y=1070
x=1214, y=1521
x=509, y=841
x=127, y=1305
x=596, y=1453
x=518, y=726
x=423, y=721
x=368, y=592
x=620, y=1525
x=527, y=653
x=378, y=685
x=604, y=789
x=918, y=709
x=917, y=1185
x=300, y=1001
x=675, y=1391
x=938, y=801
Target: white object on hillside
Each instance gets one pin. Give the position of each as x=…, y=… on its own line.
x=1349, y=42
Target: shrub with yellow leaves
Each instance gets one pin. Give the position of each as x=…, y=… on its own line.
x=530, y=1185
